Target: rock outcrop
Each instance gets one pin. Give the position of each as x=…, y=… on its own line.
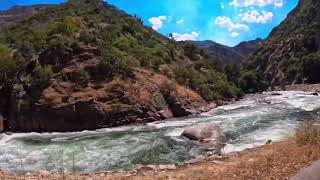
x=208, y=134
x=64, y=106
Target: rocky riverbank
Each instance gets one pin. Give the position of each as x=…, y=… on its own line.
x=300, y=87
x=65, y=106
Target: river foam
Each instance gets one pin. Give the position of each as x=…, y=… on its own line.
x=248, y=123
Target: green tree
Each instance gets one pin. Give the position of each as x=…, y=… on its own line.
x=311, y=68
x=7, y=67
x=251, y=82
x=42, y=75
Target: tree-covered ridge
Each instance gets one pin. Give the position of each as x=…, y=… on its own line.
x=291, y=52
x=122, y=44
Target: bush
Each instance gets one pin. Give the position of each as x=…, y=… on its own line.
x=250, y=82
x=311, y=68
x=222, y=86
x=68, y=26
x=42, y=76
x=212, y=86
x=167, y=87
x=191, y=51
x=7, y=67
x=109, y=67
x=80, y=76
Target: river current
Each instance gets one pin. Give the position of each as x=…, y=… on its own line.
x=248, y=123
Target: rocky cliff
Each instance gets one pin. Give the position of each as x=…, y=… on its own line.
x=87, y=65
x=291, y=52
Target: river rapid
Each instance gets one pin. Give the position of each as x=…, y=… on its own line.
x=248, y=123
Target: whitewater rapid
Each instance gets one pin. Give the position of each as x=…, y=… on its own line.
x=248, y=123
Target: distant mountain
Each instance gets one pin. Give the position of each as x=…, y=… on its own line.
x=228, y=54
x=247, y=47
x=291, y=53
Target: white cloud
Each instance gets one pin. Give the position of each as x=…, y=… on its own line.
x=234, y=34
x=185, y=37
x=226, y=22
x=222, y=5
x=261, y=3
x=278, y=3
x=180, y=21
x=157, y=22
x=255, y=17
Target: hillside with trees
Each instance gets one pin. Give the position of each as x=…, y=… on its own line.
x=290, y=55
x=87, y=65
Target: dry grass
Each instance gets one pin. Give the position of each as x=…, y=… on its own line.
x=308, y=134
x=271, y=162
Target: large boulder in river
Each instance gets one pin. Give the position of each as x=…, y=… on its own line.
x=208, y=134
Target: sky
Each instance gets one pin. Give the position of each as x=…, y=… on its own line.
x=227, y=22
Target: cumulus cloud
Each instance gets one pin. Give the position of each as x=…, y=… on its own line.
x=254, y=16
x=180, y=21
x=226, y=22
x=234, y=34
x=186, y=36
x=260, y=3
x=157, y=22
x=222, y=5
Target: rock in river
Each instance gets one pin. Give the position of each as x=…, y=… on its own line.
x=208, y=134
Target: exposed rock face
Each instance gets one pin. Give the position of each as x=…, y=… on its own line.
x=65, y=106
x=209, y=134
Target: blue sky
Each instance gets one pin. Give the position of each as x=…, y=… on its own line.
x=224, y=21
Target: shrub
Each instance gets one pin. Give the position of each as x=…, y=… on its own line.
x=191, y=51
x=123, y=43
x=68, y=26
x=80, y=76
x=311, y=67
x=109, y=67
x=251, y=82
x=7, y=67
x=42, y=76
x=87, y=37
x=167, y=87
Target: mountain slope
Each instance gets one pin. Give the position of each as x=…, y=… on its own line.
x=19, y=13
x=87, y=65
x=227, y=54
x=247, y=47
x=291, y=52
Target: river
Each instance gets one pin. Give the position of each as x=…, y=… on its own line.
x=248, y=123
